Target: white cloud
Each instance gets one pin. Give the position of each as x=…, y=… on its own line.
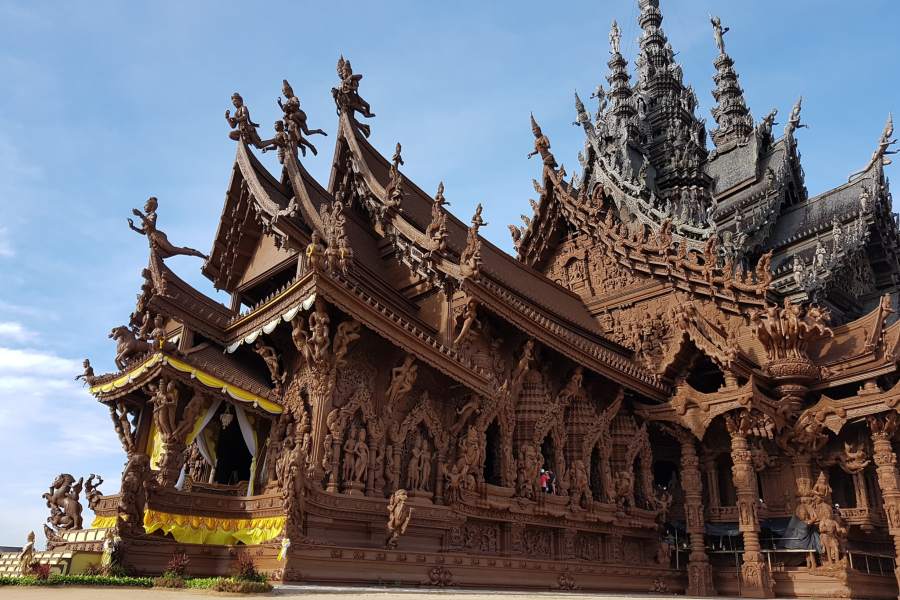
x=48, y=425
x=15, y=361
x=16, y=332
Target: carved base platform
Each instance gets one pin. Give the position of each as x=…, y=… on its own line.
x=420, y=497
x=355, y=488
x=799, y=582
x=405, y=568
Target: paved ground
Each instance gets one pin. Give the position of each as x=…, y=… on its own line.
x=305, y=593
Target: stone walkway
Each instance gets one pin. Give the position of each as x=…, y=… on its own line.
x=307, y=593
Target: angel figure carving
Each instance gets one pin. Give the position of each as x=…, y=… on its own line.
x=403, y=378
x=347, y=333
x=399, y=516
x=92, y=490
x=165, y=405
x=295, y=119
x=87, y=375
x=160, y=245
x=243, y=129
x=470, y=318
x=347, y=97
x=615, y=38
x=541, y=145
x=719, y=33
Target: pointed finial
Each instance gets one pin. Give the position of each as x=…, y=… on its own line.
x=884, y=148
x=583, y=117
x=535, y=128
x=397, y=159
x=477, y=221
x=719, y=33
x=439, y=196
x=615, y=38
x=794, y=123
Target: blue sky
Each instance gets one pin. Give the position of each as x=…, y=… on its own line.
x=107, y=103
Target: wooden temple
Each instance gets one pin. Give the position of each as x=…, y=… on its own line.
x=686, y=380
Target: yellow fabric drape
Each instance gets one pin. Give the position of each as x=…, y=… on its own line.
x=103, y=522
x=193, y=529
x=154, y=446
x=205, y=378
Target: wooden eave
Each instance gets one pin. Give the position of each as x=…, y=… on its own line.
x=696, y=410
x=837, y=413
x=598, y=355
x=140, y=373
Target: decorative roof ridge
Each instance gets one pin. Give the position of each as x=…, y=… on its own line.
x=636, y=376
x=447, y=266
x=479, y=378
x=679, y=261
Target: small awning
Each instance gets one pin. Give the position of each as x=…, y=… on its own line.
x=269, y=327
x=210, y=381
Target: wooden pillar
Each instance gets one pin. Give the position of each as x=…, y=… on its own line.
x=801, y=464
x=859, y=487
x=883, y=430
x=756, y=581
x=700, y=582
x=712, y=481
x=439, y=476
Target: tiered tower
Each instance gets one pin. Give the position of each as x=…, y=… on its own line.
x=735, y=123
x=676, y=138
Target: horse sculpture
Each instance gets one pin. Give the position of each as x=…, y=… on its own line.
x=127, y=345
x=62, y=500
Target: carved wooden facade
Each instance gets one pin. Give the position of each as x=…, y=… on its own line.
x=651, y=396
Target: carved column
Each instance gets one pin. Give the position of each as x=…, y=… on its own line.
x=439, y=476
x=712, y=481
x=318, y=388
x=756, y=581
x=859, y=487
x=334, y=476
x=883, y=430
x=700, y=582
x=801, y=464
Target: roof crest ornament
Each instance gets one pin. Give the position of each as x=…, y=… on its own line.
x=470, y=259
x=394, y=189
x=295, y=119
x=719, y=33
x=437, y=228
x=160, y=246
x=541, y=146
x=615, y=38
x=884, y=148
x=794, y=123
x=243, y=129
x=347, y=97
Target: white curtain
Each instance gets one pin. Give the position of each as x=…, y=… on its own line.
x=201, y=442
x=250, y=439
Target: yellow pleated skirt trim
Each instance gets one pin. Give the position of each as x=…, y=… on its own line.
x=194, y=529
